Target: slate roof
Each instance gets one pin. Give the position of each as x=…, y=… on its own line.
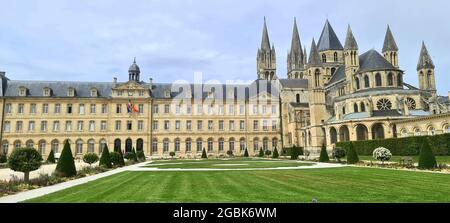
x=350, y=41
x=328, y=39
x=389, y=42
x=338, y=75
x=425, y=61
x=372, y=60
x=296, y=45
x=294, y=83
x=265, y=42
x=384, y=113
x=314, y=57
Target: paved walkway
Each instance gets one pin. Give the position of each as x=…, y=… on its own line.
x=7, y=174
x=57, y=187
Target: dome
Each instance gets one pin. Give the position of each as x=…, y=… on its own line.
x=134, y=67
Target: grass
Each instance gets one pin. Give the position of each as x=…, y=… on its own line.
x=346, y=184
x=439, y=159
x=240, y=163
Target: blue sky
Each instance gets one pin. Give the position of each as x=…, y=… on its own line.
x=96, y=40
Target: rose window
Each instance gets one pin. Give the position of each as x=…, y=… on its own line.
x=384, y=104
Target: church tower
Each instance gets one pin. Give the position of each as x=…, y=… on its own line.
x=295, y=57
x=351, y=59
x=266, y=58
x=425, y=70
x=317, y=106
x=390, y=49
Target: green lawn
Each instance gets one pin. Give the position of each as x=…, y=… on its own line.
x=346, y=184
x=240, y=163
x=439, y=159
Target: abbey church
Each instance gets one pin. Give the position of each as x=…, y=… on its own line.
x=333, y=93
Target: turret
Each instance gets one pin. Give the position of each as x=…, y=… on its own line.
x=351, y=59
x=425, y=70
x=134, y=72
x=390, y=49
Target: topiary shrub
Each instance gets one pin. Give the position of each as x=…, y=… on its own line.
x=382, y=154
x=204, y=155
x=338, y=153
x=51, y=157
x=261, y=152
x=172, y=154
x=324, y=155
x=294, y=152
x=90, y=158
x=140, y=156
x=115, y=158
x=426, y=157
x=66, y=163
x=268, y=153
x=133, y=151
x=105, y=159
x=121, y=160
x=3, y=158
x=25, y=160
x=275, y=154
x=352, y=156
x=230, y=153
x=246, y=153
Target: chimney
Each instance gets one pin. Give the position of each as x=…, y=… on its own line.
x=151, y=83
x=114, y=82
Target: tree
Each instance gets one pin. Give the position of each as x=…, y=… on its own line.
x=66, y=163
x=261, y=152
x=90, y=158
x=338, y=153
x=268, y=152
x=133, y=151
x=121, y=160
x=172, y=154
x=324, y=155
x=230, y=153
x=295, y=151
x=115, y=158
x=382, y=154
x=352, y=156
x=140, y=156
x=25, y=160
x=51, y=157
x=246, y=153
x=105, y=159
x=204, y=155
x=426, y=157
x=3, y=158
x=275, y=154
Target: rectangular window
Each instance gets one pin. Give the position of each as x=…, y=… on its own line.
x=45, y=108
x=255, y=125
x=118, y=125
x=210, y=125
x=69, y=108
x=57, y=108
x=155, y=125
x=221, y=112
x=7, y=126
x=231, y=124
x=118, y=108
x=20, y=109
x=177, y=125
x=177, y=109
x=166, y=125
x=188, y=109
x=141, y=93
x=274, y=124
x=221, y=128
x=210, y=145
x=242, y=125
x=231, y=109
x=93, y=109
x=104, y=108
x=68, y=126
x=31, y=126
x=129, y=125
x=141, y=108
x=264, y=109
x=166, y=109
x=19, y=126
x=43, y=126
x=56, y=126
x=154, y=147
x=189, y=125
x=81, y=109
x=103, y=126
x=33, y=109
x=200, y=109
x=140, y=125
x=265, y=125
x=155, y=109
x=8, y=108
x=274, y=109
x=241, y=109
x=91, y=126
x=80, y=126
x=199, y=125
x=119, y=93
x=255, y=109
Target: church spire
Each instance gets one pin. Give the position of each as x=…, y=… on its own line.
x=295, y=57
x=350, y=41
x=296, y=45
x=265, y=43
x=389, y=42
x=328, y=39
x=425, y=61
x=314, y=57
x=266, y=58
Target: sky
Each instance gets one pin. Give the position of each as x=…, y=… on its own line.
x=96, y=40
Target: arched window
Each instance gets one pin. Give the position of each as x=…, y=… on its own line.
x=79, y=145
x=344, y=134
x=343, y=110
x=166, y=145
x=41, y=147
x=366, y=81
x=324, y=58
x=274, y=143
x=355, y=107
x=128, y=145
x=5, y=147
x=199, y=145
x=361, y=132
x=265, y=144
x=242, y=144
x=102, y=145
x=210, y=145
x=139, y=144
x=431, y=131
x=231, y=144
x=378, y=79
x=363, y=107
x=221, y=145
x=399, y=80
x=417, y=132
x=403, y=133
x=255, y=144
x=357, y=83
x=317, y=77
x=333, y=135
x=429, y=79
x=188, y=145
x=91, y=144
x=30, y=144
x=377, y=131
x=446, y=128
x=117, y=145
x=55, y=146
x=154, y=145
x=390, y=79
x=177, y=145
x=335, y=57
x=297, y=98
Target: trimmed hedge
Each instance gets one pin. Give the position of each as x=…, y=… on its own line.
x=51, y=157
x=426, y=158
x=66, y=163
x=293, y=152
x=408, y=146
x=352, y=155
x=324, y=155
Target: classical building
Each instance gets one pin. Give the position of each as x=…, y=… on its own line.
x=334, y=94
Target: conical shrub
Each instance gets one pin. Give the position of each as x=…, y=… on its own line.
x=105, y=159
x=204, y=155
x=352, y=156
x=275, y=154
x=261, y=152
x=51, y=157
x=427, y=160
x=66, y=163
x=246, y=153
x=324, y=155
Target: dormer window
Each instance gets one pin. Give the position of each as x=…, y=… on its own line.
x=94, y=92
x=167, y=93
x=71, y=92
x=47, y=92
x=22, y=91
x=119, y=92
